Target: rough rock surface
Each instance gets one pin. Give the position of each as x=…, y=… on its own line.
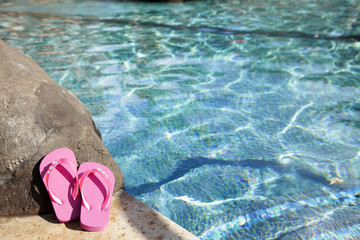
x=37, y=115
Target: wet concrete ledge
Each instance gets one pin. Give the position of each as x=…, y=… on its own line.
x=129, y=219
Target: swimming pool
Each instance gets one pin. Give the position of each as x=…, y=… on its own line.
x=229, y=118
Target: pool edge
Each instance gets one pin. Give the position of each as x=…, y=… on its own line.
x=129, y=219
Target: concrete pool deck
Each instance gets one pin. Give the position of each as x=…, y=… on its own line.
x=129, y=219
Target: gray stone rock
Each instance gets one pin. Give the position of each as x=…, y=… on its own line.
x=37, y=115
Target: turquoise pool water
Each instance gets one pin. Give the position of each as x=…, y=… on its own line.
x=230, y=117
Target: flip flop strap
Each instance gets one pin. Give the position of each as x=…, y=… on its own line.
x=54, y=164
x=102, y=173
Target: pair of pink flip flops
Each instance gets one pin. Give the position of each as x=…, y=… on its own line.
x=64, y=183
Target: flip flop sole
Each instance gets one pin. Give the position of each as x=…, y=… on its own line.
x=94, y=188
x=62, y=182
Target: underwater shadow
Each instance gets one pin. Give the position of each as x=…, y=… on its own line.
x=202, y=28
x=195, y=162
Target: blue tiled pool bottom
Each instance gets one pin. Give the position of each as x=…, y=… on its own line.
x=229, y=118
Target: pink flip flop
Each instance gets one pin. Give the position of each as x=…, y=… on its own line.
x=96, y=187
x=58, y=172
